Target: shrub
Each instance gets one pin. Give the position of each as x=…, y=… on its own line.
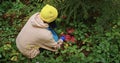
x=96, y=26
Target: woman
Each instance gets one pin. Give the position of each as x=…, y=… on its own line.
x=37, y=34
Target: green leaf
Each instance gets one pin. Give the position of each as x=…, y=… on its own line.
x=108, y=34
x=88, y=49
x=0, y=56
x=118, y=23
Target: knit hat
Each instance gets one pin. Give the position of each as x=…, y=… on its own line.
x=48, y=13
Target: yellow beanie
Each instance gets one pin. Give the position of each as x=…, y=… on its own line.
x=48, y=13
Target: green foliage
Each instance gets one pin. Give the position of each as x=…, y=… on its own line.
x=96, y=24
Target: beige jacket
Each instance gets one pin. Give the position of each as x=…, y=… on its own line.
x=34, y=35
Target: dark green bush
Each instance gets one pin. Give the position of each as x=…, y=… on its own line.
x=96, y=24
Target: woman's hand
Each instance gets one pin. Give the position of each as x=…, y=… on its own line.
x=60, y=41
x=58, y=45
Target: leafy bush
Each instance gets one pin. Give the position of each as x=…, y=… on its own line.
x=96, y=26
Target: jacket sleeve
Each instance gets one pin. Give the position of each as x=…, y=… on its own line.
x=50, y=44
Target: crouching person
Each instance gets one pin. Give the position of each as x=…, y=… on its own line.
x=37, y=34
